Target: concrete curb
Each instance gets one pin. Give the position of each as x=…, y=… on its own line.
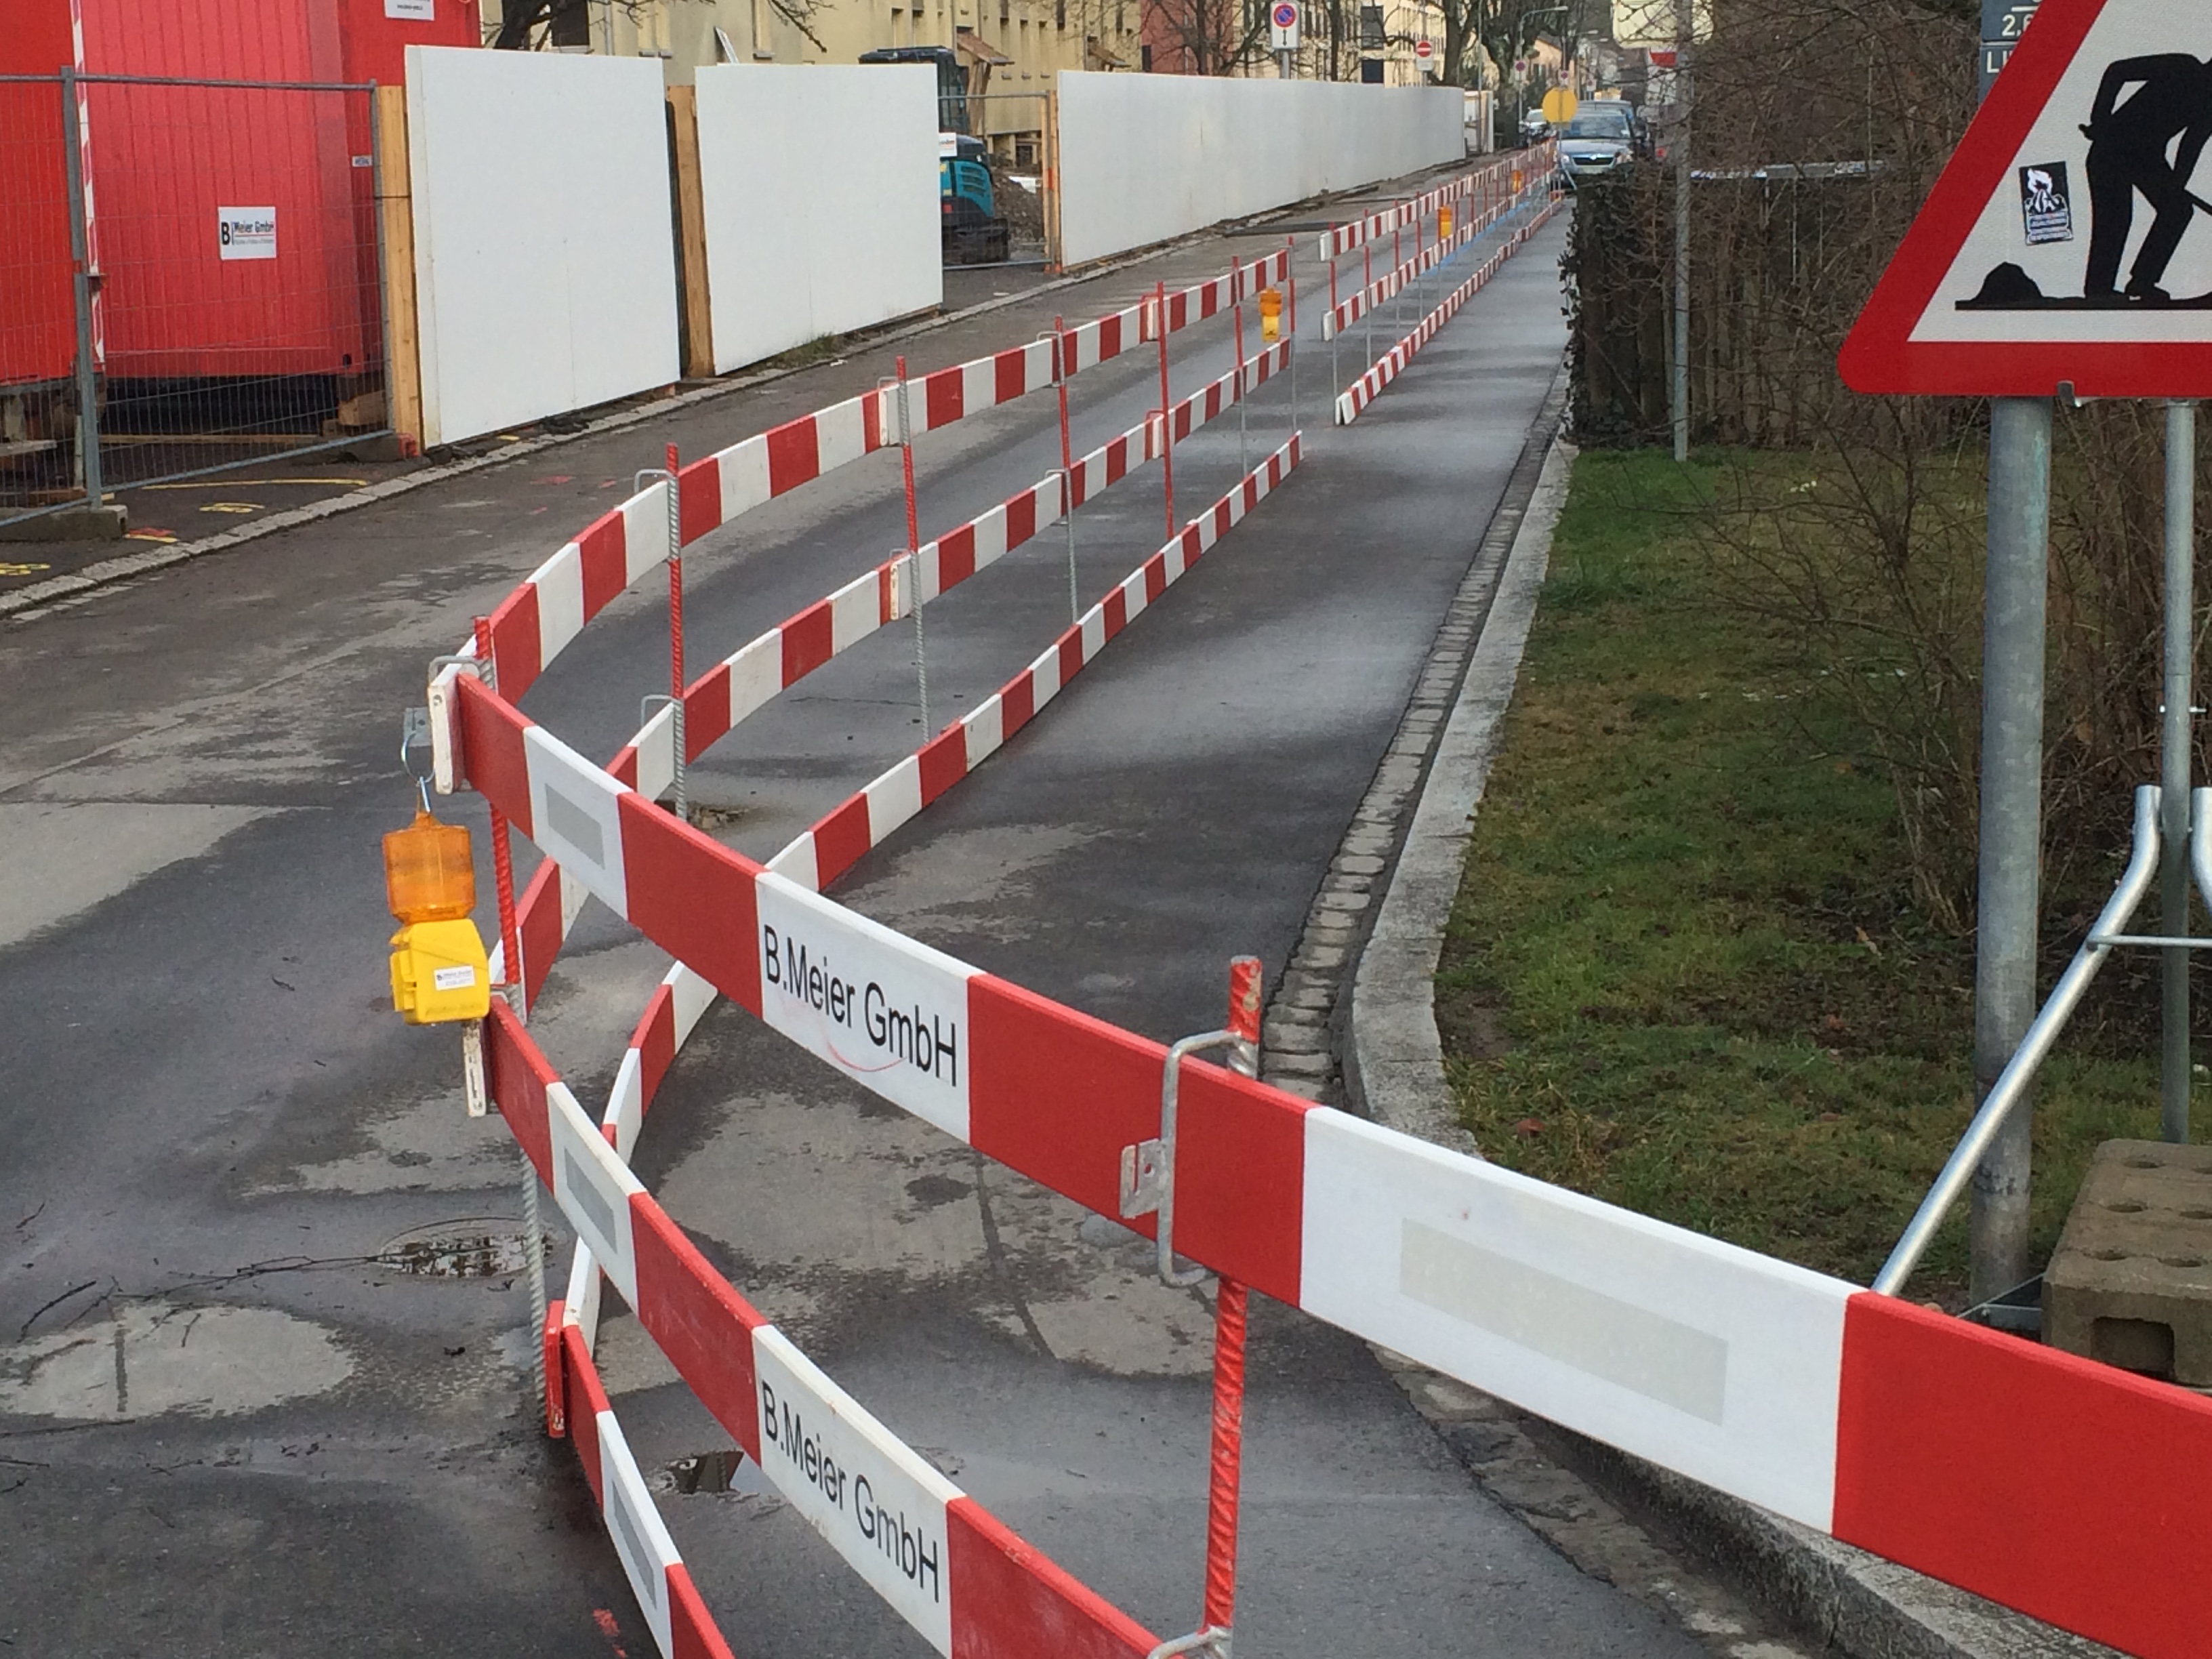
x=126, y=567
x=1843, y=1599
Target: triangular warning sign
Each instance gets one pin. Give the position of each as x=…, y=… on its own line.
x=2069, y=241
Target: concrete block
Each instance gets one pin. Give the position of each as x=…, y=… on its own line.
x=2131, y=1283
x=73, y=523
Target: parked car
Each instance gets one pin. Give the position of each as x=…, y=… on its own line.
x=1600, y=141
x=1534, y=129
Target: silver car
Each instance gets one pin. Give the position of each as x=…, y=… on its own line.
x=1600, y=141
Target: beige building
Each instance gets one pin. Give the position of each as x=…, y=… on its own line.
x=1012, y=49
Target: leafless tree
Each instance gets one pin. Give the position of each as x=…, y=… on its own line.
x=527, y=24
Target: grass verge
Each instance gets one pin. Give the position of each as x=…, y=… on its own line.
x=1683, y=973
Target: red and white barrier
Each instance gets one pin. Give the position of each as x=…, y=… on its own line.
x=1335, y=319
x=1488, y=179
x=775, y=661
x=938, y=400
x=537, y=620
x=967, y=1584
x=825, y=852
x=1363, y=390
x=1889, y=1426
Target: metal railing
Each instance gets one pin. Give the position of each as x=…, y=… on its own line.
x=2010, y=1092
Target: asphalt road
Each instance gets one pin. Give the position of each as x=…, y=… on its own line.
x=232, y=1420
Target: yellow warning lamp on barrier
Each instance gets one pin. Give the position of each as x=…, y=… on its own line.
x=439, y=972
x=1444, y=223
x=1271, y=314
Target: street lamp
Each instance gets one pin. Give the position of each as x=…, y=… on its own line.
x=1521, y=81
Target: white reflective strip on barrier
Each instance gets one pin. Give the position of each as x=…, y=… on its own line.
x=840, y=434
x=1132, y=595
x=1171, y=556
x=560, y=584
x=927, y=573
x=581, y=1307
x=1094, y=632
x=1044, y=679
x=691, y=995
x=797, y=864
x=593, y=1187
x=856, y=610
x=755, y=674
x=645, y=532
x=634, y=1524
x=742, y=469
x=1716, y=1362
x=574, y=817
x=625, y=1112
x=656, y=753
x=978, y=385
x=879, y=1007
x=990, y=542
x=893, y=798
x=877, y=1503
x=985, y=731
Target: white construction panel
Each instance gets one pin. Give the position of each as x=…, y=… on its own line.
x=1144, y=158
x=545, y=251
x=819, y=188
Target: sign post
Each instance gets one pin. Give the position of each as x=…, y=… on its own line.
x=1283, y=27
x=2011, y=285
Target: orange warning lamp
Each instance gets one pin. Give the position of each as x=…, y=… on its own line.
x=440, y=970
x=1444, y=223
x=1271, y=314
x=429, y=872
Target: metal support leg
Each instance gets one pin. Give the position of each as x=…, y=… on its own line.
x=2174, y=1072
x=914, y=548
x=679, y=793
x=502, y=865
x=82, y=284
x=2011, y=819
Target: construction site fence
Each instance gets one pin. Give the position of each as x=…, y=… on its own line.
x=190, y=281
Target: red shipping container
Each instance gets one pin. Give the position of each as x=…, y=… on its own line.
x=233, y=227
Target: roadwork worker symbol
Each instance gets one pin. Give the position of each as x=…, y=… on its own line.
x=2044, y=204
x=2147, y=129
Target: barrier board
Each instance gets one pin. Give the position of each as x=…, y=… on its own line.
x=818, y=184
x=544, y=250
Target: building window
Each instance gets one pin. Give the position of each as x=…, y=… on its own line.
x=1120, y=20
x=1060, y=15
x=1145, y=58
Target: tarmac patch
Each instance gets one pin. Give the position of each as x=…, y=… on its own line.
x=151, y=1358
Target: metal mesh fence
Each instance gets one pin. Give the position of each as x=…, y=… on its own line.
x=229, y=307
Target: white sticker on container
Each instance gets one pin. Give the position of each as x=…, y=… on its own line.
x=413, y=11
x=246, y=233
x=454, y=979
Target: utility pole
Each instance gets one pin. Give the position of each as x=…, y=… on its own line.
x=1684, y=28
x=2174, y=769
x=2010, y=881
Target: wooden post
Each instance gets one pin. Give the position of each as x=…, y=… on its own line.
x=395, y=212
x=1052, y=244
x=691, y=234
